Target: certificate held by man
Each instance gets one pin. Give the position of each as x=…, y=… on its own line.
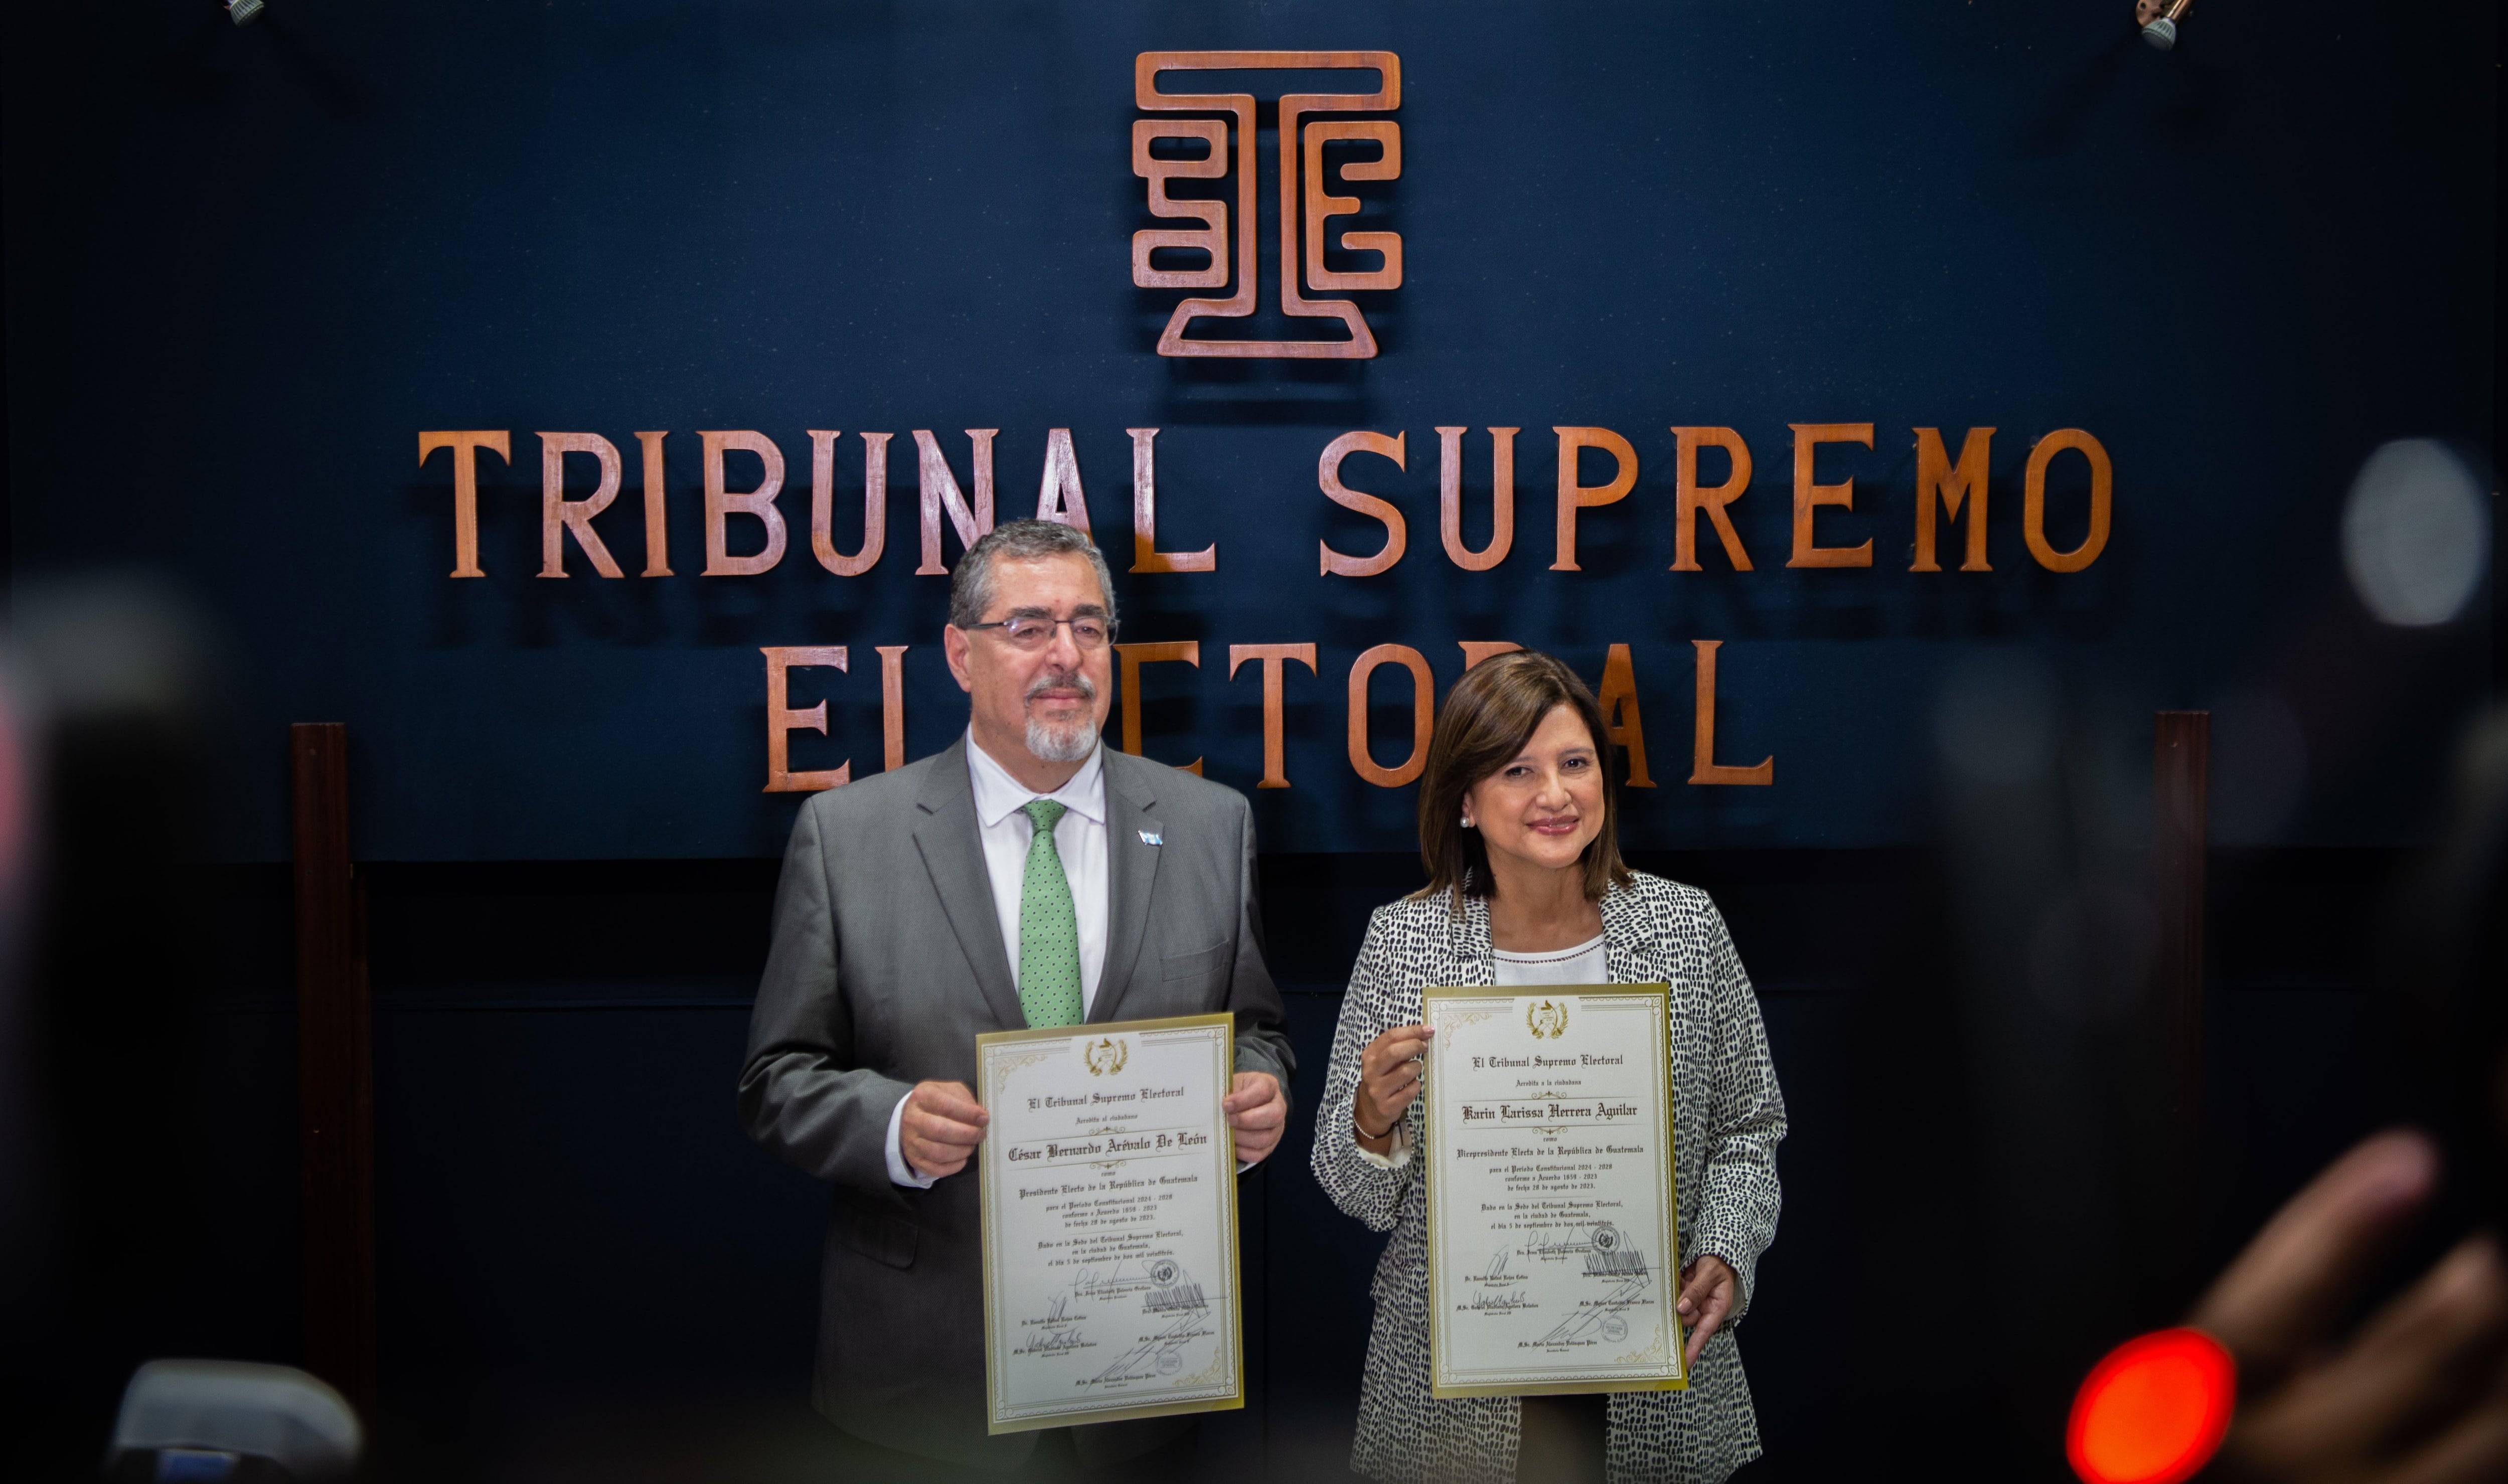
x=1109, y=1186
x=1552, y=1221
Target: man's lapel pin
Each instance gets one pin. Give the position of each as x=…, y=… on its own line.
x=1152, y=837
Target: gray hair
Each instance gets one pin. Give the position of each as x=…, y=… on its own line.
x=970, y=588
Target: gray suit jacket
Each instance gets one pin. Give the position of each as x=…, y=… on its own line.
x=887, y=963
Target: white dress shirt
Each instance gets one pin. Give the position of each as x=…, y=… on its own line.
x=1079, y=837
x=1584, y=964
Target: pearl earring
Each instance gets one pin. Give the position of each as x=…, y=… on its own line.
x=1467, y=821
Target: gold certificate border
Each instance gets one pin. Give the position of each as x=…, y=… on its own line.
x=1677, y=1379
x=987, y=1045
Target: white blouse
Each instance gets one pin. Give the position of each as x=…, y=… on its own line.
x=1582, y=964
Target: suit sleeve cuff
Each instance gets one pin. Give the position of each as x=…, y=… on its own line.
x=898, y=1171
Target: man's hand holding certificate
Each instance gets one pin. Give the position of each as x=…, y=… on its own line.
x=1110, y=1221
x=1551, y=1216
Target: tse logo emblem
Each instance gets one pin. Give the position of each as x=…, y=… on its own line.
x=1306, y=207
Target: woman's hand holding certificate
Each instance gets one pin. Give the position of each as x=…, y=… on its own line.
x=1388, y=1083
x=1551, y=1217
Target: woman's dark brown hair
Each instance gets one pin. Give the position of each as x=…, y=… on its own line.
x=1489, y=716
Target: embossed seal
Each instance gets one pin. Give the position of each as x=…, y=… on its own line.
x=1105, y=1056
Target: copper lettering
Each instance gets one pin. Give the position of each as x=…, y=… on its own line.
x=1703, y=766
x=1810, y=497
x=1271, y=656
x=1692, y=500
x=657, y=526
x=466, y=487
x=938, y=489
x=1328, y=476
x=1574, y=495
x=1937, y=476
x=1321, y=206
x=2033, y=499
x=892, y=701
x=1135, y=655
x=1423, y=714
x=1212, y=239
x=1059, y=496
x=1146, y=555
x=823, y=502
x=1449, y=498
x=560, y=515
x=1240, y=109
x=721, y=505
x=782, y=720
x=1621, y=723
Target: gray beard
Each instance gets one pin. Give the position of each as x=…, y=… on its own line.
x=1070, y=743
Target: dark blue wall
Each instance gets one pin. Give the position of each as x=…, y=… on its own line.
x=247, y=269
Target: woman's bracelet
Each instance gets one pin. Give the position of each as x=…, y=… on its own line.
x=1361, y=1128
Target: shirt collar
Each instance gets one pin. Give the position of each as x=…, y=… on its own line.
x=998, y=795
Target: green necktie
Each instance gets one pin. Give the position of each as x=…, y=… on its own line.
x=1048, y=929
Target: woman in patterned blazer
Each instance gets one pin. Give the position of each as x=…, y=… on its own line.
x=1526, y=885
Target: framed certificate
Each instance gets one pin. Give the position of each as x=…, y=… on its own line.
x=1109, y=1185
x=1552, y=1219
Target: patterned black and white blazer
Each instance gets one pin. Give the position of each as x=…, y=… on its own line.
x=1727, y=1119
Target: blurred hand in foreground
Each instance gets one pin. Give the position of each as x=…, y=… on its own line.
x=2417, y=1394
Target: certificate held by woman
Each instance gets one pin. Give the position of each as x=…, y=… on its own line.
x=1551, y=1210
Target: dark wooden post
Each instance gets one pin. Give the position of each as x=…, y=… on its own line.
x=334, y=1070
x=2180, y=782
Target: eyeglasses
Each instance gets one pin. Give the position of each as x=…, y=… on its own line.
x=1034, y=631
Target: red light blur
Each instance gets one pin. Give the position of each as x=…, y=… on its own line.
x=2154, y=1411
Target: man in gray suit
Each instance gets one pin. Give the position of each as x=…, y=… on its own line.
x=1026, y=877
